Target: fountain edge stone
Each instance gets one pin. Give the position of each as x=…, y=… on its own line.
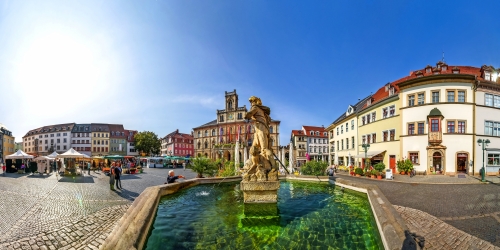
x=133, y=228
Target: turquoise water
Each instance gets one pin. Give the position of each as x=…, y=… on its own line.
x=307, y=216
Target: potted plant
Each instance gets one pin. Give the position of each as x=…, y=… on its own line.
x=379, y=167
x=408, y=166
x=373, y=173
x=400, y=165
x=358, y=172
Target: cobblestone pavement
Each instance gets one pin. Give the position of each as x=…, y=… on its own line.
x=53, y=212
x=473, y=209
x=438, y=234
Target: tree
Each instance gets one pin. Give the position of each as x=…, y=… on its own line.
x=147, y=142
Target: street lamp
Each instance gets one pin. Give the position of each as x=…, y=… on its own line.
x=366, y=146
x=483, y=143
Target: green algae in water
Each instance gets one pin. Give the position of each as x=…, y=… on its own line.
x=307, y=216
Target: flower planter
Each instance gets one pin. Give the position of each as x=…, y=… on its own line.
x=402, y=173
x=357, y=175
x=379, y=177
x=373, y=176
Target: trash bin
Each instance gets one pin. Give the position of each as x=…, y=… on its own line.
x=388, y=174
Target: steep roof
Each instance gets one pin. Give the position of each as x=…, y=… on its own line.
x=214, y=122
x=51, y=128
x=314, y=129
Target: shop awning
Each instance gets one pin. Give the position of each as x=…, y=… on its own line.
x=369, y=154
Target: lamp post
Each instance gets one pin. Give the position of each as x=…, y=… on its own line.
x=483, y=143
x=366, y=146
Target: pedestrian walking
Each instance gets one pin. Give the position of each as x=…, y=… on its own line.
x=184, y=166
x=118, y=173
x=112, y=178
x=3, y=169
x=88, y=166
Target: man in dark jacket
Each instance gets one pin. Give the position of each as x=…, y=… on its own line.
x=118, y=174
x=172, y=177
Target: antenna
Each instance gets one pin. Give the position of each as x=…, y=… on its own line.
x=442, y=60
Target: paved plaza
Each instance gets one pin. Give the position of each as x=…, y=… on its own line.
x=53, y=212
x=463, y=211
x=50, y=212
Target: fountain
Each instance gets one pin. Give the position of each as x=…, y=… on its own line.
x=258, y=211
x=260, y=173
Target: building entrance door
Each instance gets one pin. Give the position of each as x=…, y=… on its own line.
x=437, y=164
x=392, y=163
x=461, y=162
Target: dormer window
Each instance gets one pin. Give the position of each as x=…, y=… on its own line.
x=435, y=71
x=487, y=76
x=444, y=68
x=419, y=73
x=317, y=133
x=312, y=133
x=391, y=91
x=456, y=70
x=428, y=69
x=369, y=102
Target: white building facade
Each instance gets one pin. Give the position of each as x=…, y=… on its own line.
x=81, y=139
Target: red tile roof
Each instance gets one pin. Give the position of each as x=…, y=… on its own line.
x=308, y=130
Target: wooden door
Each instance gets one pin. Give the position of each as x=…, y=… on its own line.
x=392, y=163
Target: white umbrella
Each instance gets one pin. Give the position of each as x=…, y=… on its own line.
x=43, y=158
x=53, y=155
x=71, y=153
x=19, y=155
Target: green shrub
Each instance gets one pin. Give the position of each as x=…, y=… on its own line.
x=202, y=166
x=380, y=167
x=314, y=168
x=227, y=170
x=358, y=171
x=374, y=172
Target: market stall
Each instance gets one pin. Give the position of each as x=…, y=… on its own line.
x=19, y=155
x=43, y=164
x=71, y=156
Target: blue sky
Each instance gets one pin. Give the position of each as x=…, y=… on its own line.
x=164, y=65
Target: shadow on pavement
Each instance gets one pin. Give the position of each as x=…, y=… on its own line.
x=12, y=175
x=77, y=179
x=130, y=177
x=39, y=176
x=127, y=194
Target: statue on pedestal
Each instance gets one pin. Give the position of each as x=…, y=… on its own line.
x=261, y=155
x=260, y=182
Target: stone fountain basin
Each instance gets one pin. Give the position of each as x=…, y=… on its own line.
x=132, y=229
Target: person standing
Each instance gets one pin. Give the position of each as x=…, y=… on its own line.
x=88, y=166
x=112, y=178
x=3, y=169
x=118, y=173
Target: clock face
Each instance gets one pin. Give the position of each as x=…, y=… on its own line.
x=230, y=117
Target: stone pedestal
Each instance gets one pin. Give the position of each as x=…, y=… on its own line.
x=260, y=191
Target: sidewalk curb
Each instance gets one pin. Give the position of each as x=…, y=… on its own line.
x=429, y=183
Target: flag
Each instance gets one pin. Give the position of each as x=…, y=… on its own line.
x=220, y=135
x=238, y=135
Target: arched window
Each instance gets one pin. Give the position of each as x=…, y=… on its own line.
x=317, y=133
x=199, y=145
x=206, y=144
x=230, y=104
x=213, y=132
x=271, y=129
x=206, y=133
x=199, y=134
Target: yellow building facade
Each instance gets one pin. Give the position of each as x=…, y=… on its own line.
x=379, y=129
x=99, y=139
